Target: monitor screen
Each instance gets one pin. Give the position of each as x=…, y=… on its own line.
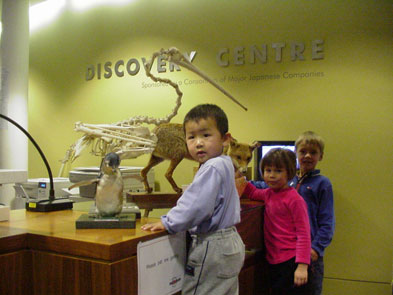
x=266, y=146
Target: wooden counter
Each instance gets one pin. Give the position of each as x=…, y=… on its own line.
x=43, y=253
x=56, y=232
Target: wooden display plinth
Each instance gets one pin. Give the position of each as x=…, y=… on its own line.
x=150, y=201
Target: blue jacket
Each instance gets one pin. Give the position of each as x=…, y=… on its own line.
x=317, y=191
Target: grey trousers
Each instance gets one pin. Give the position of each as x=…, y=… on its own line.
x=214, y=263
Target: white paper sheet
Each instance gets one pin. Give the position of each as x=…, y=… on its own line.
x=161, y=265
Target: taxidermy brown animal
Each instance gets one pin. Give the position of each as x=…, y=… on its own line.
x=171, y=145
x=241, y=154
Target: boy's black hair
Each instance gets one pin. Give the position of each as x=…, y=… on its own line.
x=204, y=111
x=280, y=158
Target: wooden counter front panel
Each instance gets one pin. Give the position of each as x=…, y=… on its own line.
x=251, y=226
x=16, y=273
x=67, y=275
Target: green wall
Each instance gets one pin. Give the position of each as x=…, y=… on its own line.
x=349, y=103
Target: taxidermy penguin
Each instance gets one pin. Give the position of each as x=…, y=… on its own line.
x=109, y=191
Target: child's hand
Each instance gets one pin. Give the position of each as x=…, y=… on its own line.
x=241, y=184
x=238, y=174
x=314, y=255
x=153, y=226
x=301, y=274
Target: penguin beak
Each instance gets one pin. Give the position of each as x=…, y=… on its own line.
x=109, y=168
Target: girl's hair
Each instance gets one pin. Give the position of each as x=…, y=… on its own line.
x=280, y=158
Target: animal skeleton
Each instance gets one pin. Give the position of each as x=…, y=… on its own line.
x=128, y=138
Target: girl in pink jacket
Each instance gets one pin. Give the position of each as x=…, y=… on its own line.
x=286, y=224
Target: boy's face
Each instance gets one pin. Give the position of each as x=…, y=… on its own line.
x=204, y=141
x=308, y=156
x=276, y=178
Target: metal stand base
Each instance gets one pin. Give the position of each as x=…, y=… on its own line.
x=89, y=221
x=128, y=208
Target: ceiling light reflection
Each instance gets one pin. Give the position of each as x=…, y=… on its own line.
x=44, y=12
x=82, y=5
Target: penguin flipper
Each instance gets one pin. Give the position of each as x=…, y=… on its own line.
x=83, y=183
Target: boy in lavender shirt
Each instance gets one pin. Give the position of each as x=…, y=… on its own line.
x=209, y=208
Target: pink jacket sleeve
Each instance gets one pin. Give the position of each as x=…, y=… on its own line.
x=254, y=193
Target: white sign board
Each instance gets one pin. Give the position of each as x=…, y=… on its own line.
x=161, y=265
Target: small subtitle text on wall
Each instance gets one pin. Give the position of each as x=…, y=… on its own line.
x=236, y=79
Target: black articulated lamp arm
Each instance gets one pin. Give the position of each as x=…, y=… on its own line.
x=51, y=189
x=52, y=204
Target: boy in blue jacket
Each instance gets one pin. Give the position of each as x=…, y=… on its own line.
x=318, y=193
